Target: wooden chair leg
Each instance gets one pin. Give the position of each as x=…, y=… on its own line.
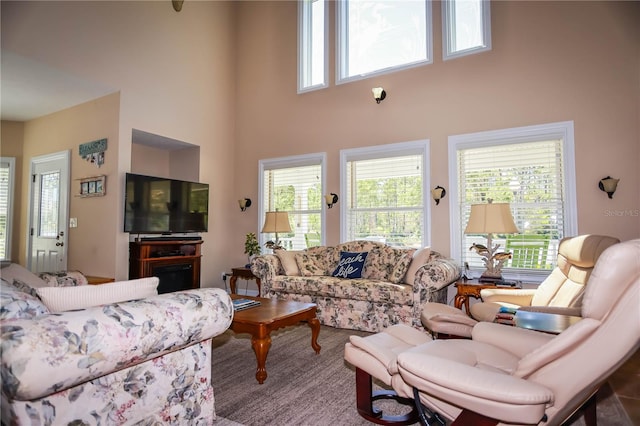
x=365, y=396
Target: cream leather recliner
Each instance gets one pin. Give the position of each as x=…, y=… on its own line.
x=563, y=288
x=510, y=375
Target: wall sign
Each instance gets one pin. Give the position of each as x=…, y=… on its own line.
x=93, y=186
x=93, y=151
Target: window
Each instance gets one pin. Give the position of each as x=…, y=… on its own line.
x=7, y=176
x=294, y=185
x=466, y=27
x=532, y=169
x=312, y=45
x=384, y=194
x=381, y=36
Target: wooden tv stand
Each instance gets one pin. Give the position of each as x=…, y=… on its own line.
x=158, y=257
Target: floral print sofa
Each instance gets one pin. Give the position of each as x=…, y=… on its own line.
x=395, y=283
x=145, y=361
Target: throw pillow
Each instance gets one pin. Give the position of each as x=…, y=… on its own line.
x=420, y=257
x=402, y=265
x=60, y=299
x=350, y=265
x=15, y=304
x=288, y=261
x=20, y=285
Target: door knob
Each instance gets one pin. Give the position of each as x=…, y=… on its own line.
x=60, y=244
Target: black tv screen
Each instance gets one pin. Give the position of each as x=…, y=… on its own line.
x=155, y=205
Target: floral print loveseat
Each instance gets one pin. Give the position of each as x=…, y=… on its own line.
x=395, y=283
x=144, y=362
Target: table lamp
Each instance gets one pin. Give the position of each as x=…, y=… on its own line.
x=275, y=222
x=490, y=219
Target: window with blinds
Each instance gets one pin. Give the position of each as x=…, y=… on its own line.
x=294, y=185
x=384, y=194
x=531, y=175
x=7, y=165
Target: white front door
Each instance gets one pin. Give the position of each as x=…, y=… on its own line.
x=49, y=212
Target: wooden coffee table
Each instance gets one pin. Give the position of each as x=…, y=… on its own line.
x=271, y=315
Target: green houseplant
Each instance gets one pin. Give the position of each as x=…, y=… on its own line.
x=251, y=246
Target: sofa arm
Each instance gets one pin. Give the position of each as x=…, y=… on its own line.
x=438, y=273
x=266, y=267
x=54, y=352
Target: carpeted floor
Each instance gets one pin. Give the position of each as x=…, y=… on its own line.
x=305, y=388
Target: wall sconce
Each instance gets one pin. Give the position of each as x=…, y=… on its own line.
x=438, y=193
x=379, y=94
x=177, y=5
x=608, y=185
x=331, y=199
x=244, y=203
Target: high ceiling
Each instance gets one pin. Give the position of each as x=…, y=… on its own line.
x=30, y=89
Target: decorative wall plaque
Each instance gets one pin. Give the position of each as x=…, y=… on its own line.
x=93, y=151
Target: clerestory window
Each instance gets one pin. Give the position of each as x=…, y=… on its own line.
x=466, y=27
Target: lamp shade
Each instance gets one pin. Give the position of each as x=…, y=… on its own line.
x=276, y=222
x=491, y=219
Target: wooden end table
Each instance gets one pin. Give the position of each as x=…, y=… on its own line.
x=466, y=289
x=272, y=314
x=245, y=274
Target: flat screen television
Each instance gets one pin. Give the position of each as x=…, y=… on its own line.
x=156, y=205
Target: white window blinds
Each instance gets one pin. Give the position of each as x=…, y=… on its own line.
x=296, y=190
x=529, y=176
x=385, y=197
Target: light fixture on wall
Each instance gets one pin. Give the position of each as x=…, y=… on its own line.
x=275, y=222
x=244, y=203
x=331, y=199
x=438, y=193
x=177, y=5
x=608, y=185
x=379, y=94
x=491, y=219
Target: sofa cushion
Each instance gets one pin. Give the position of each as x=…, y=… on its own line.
x=352, y=289
x=399, y=270
x=60, y=299
x=383, y=262
x=420, y=257
x=288, y=261
x=350, y=265
x=15, y=304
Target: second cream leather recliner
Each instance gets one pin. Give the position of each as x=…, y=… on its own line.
x=562, y=289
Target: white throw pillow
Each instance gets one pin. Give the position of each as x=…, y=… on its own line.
x=420, y=257
x=60, y=299
x=288, y=260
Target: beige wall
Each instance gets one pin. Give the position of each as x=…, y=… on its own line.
x=551, y=61
x=222, y=76
x=175, y=76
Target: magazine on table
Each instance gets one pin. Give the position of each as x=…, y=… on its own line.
x=240, y=304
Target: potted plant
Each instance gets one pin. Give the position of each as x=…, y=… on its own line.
x=251, y=247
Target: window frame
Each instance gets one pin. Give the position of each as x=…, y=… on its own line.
x=341, y=37
x=448, y=23
x=305, y=52
x=421, y=146
x=284, y=163
x=10, y=199
x=559, y=130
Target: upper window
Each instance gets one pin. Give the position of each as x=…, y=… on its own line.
x=466, y=27
x=294, y=185
x=381, y=36
x=384, y=194
x=532, y=169
x=7, y=175
x=312, y=45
